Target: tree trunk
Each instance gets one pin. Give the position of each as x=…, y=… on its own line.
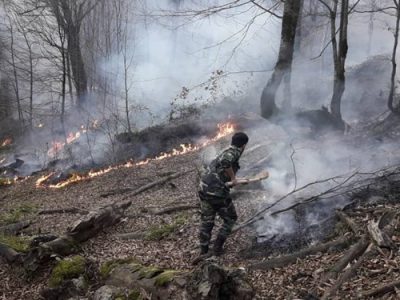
x=77, y=65
x=15, y=73
x=339, y=56
x=285, y=58
x=371, y=27
x=394, y=64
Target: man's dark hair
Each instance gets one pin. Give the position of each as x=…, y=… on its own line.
x=239, y=139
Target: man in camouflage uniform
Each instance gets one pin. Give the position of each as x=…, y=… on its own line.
x=214, y=194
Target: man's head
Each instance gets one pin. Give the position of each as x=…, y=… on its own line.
x=239, y=139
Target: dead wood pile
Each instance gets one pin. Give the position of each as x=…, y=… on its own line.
x=372, y=222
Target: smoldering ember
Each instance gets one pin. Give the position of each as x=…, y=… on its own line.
x=181, y=149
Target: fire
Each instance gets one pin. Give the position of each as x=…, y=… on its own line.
x=6, y=142
x=10, y=181
x=58, y=146
x=42, y=179
x=224, y=130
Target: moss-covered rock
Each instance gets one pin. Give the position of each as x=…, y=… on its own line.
x=134, y=295
x=165, y=277
x=159, y=232
x=149, y=272
x=68, y=268
x=108, y=266
x=18, y=243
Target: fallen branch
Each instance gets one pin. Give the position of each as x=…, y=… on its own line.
x=378, y=236
x=13, y=229
x=81, y=231
x=87, y=227
x=353, y=253
x=349, y=222
x=72, y=210
x=384, y=289
x=350, y=272
x=170, y=210
x=116, y=192
x=285, y=260
x=345, y=186
x=260, y=214
x=137, y=191
x=387, y=218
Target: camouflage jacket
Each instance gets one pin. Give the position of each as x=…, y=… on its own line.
x=213, y=181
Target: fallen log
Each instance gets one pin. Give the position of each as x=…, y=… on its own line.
x=353, y=253
x=384, y=289
x=350, y=272
x=169, y=210
x=137, y=191
x=84, y=229
x=72, y=210
x=349, y=222
x=13, y=229
x=285, y=260
x=116, y=192
x=378, y=236
x=387, y=218
x=96, y=221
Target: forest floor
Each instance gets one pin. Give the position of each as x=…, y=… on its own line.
x=176, y=248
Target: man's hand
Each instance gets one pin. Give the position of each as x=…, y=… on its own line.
x=234, y=182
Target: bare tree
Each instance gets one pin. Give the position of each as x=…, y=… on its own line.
x=70, y=15
x=283, y=66
x=394, y=64
x=339, y=50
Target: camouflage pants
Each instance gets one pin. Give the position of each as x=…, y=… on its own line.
x=210, y=207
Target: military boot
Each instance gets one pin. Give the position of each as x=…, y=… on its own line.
x=219, y=245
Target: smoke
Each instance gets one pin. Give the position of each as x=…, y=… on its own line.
x=298, y=159
x=171, y=52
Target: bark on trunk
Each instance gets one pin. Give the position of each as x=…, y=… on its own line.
x=339, y=57
x=394, y=64
x=285, y=58
x=77, y=65
x=84, y=229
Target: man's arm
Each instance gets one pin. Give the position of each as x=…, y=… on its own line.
x=231, y=175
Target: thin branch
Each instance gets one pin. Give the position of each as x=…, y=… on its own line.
x=268, y=10
x=294, y=166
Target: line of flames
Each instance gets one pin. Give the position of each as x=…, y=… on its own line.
x=224, y=130
x=57, y=146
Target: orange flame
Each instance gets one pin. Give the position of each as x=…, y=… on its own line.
x=58, y=146
x=6, y=142
x=224, y=130
x=10, y=181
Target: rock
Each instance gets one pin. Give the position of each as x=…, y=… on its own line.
x=68, y=279
x=106, y=292
x=210, y=281
x=213, y=282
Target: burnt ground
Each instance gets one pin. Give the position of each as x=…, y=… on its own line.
x=177, y=250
